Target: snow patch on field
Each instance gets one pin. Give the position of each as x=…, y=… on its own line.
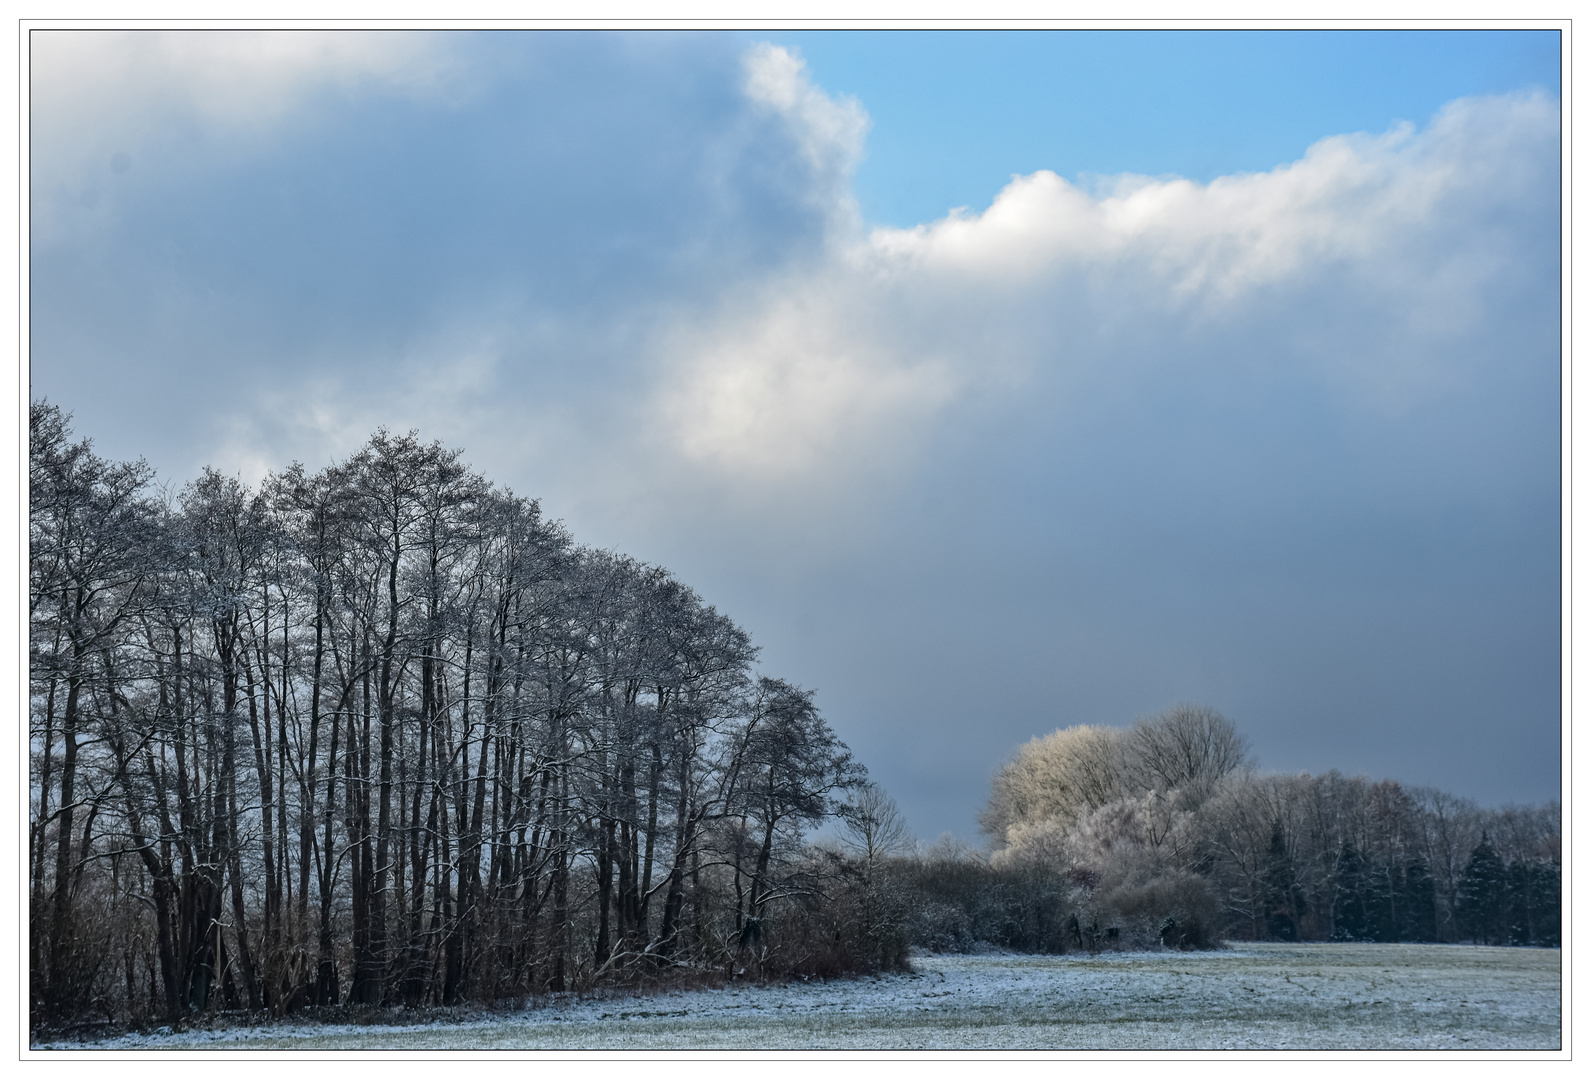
x=1268, y=996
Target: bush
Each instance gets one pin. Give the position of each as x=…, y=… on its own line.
x=848, y=921
x=1178, y=910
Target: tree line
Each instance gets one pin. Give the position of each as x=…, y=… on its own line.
x=382, y=734
x=1163, y=834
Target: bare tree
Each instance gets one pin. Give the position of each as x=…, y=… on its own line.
x=1187, y=748
x=786, y=766
x=873, y=827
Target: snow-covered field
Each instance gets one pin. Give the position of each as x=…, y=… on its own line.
x=1314, y=996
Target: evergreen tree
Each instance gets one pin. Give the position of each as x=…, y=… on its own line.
x=1545, y=888
x=1350, y=923
x=1519, y=881
x=1532, y=898
x=1482, y=896
x=1383, y=887
x=1418, y=921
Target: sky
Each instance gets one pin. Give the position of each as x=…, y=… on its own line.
x=994, y=382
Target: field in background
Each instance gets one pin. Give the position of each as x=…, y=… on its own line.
x=1307, y=996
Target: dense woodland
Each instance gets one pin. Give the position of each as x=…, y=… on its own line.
x=1163, y=833
x=383, y=736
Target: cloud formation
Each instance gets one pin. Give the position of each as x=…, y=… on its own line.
x=238, y=78
x=830, y=131
x=113, y=100
x=1284, y=442
x=895, y=326
x=798, y=348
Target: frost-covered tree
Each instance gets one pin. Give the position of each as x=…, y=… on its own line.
x=381, y=734
x=1168, y=812
x=1056, y=778
x=1187, y=749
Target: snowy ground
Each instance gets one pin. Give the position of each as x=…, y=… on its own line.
x=1315, y=996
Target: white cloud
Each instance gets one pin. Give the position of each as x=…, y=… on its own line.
x=803, y=376
x=1352, y=198
x=1364, y=266
x=246, y=77
x=1397, y=239
x=831, y=132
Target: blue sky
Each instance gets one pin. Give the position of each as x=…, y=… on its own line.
x=956, y=113
x=1235, y=380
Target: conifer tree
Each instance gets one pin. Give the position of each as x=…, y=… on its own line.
x=1419, y=902
x=1349, y=906
x=1482, y=896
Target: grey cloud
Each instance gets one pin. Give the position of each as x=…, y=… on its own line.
x=1285, y=443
